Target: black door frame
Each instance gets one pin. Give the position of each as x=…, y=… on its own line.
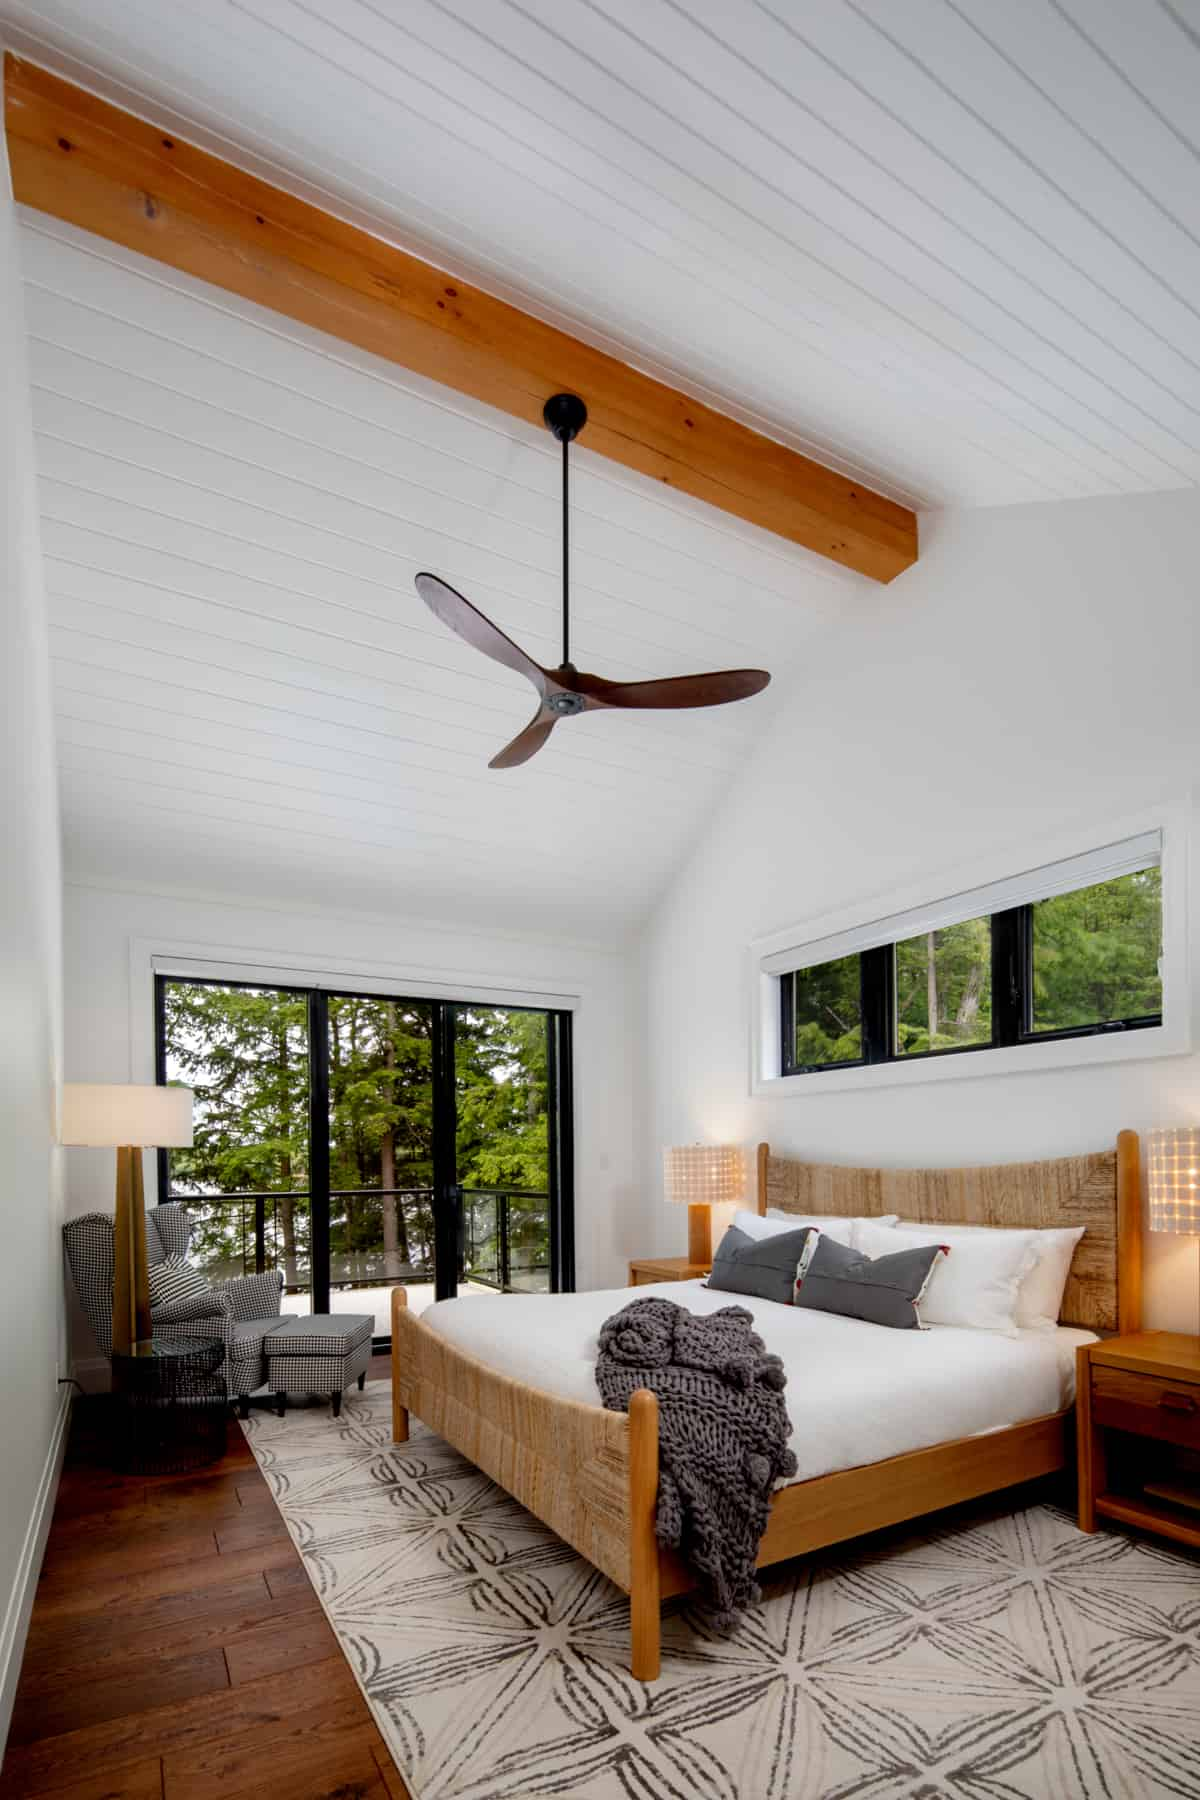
x=448, y=1220
x=318, y=1146
x=561, y=1118
x=448, y=1215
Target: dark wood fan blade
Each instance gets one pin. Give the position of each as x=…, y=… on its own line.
x=676, y=690
x=468, y=623
x=527, y=743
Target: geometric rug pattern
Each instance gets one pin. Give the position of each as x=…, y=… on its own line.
x=1003, y=1657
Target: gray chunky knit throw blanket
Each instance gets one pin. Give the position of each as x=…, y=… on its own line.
x=722, y=1433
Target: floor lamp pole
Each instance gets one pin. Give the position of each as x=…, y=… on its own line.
x=131, y=1275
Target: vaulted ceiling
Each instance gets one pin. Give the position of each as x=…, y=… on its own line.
x=948, y=245
x=250, y=693
x=945, y=246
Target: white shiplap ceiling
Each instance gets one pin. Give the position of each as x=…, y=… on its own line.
x=251, y=696
x=949, y=245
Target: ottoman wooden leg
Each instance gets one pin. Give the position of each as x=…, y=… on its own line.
x=362, y=1381
x=336, y=1398
x=280, y=1402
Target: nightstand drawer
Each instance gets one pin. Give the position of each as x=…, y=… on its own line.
x=1147, y=1404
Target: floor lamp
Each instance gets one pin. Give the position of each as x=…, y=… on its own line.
x=128, y=1119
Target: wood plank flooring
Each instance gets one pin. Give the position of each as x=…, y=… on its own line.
x=177, y=1650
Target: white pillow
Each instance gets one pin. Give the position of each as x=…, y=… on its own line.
x=839, y=1221
x=976, y=1284
x=840, y=1229
x=1040, y=1295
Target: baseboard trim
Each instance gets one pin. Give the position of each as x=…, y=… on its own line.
x=29, y=1564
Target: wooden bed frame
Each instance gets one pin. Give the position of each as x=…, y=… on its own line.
x=592, y=1475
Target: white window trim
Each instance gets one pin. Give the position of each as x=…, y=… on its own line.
x=149, y=957
x=883, y=919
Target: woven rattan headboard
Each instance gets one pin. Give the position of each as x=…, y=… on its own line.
x=1101, y=1192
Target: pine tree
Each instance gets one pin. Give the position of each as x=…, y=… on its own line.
x=245, y=1052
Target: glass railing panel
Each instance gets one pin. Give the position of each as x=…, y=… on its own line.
x=528, y=1243
x=507, y=1241
x=379, y=1240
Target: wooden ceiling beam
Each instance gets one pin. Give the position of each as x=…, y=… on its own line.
x=78, y=158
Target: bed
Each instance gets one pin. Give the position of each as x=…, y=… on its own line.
x=592, y=1475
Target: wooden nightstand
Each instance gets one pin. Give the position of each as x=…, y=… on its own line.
x=647, y=1269
x=1146, y=1384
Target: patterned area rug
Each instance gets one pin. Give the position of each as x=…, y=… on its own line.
x=1000, y=1657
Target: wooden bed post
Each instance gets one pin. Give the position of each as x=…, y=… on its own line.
x=761, y=1161
x=1129, y=1232
x=1089, y=1449
x=399, y=1413
x=645, y=1620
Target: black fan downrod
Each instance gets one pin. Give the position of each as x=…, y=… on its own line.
x=566, y=416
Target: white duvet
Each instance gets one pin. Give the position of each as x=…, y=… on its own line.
x=856, y=1393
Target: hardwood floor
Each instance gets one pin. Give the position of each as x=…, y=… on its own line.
x=177, y=1650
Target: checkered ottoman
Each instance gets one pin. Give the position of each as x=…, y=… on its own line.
x=318, y=1353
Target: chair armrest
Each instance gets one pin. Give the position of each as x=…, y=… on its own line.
x=213, y=1305
x=255, y=1296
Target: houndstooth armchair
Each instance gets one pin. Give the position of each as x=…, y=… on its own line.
x=239, y=1312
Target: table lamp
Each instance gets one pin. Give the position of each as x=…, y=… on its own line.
x=1173, y=1180
x=128, y=1119
x=701, y=1176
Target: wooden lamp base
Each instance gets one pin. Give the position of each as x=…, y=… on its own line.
x=132, y=1330
x=700, y=1235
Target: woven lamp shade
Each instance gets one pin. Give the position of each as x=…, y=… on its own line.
x=703, y=1174
x=1173, y=1179
x=699, y=1176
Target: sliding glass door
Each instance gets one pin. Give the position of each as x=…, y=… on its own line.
x=245, y=1051
x=380, y=1117
x=503, y=1143
x=361, y=1141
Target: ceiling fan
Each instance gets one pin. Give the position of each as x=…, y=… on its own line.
x=565, y=691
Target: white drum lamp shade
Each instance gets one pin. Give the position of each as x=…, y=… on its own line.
x=110, y=1115
x=127, y=1118
x=700, y=1176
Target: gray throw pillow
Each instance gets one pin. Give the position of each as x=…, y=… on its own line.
x=764, y=1267
x=883, y=1290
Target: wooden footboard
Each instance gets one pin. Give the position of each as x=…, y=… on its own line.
x=592, y=1475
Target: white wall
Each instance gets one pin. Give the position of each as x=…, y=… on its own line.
x=110, y=935
x=1036, y=671
x=31, y=1337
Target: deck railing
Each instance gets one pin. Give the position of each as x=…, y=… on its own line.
x=505, y=1240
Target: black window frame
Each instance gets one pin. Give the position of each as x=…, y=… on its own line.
x=1012, y=1003
x=788, y=1001
x=447, y=1218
